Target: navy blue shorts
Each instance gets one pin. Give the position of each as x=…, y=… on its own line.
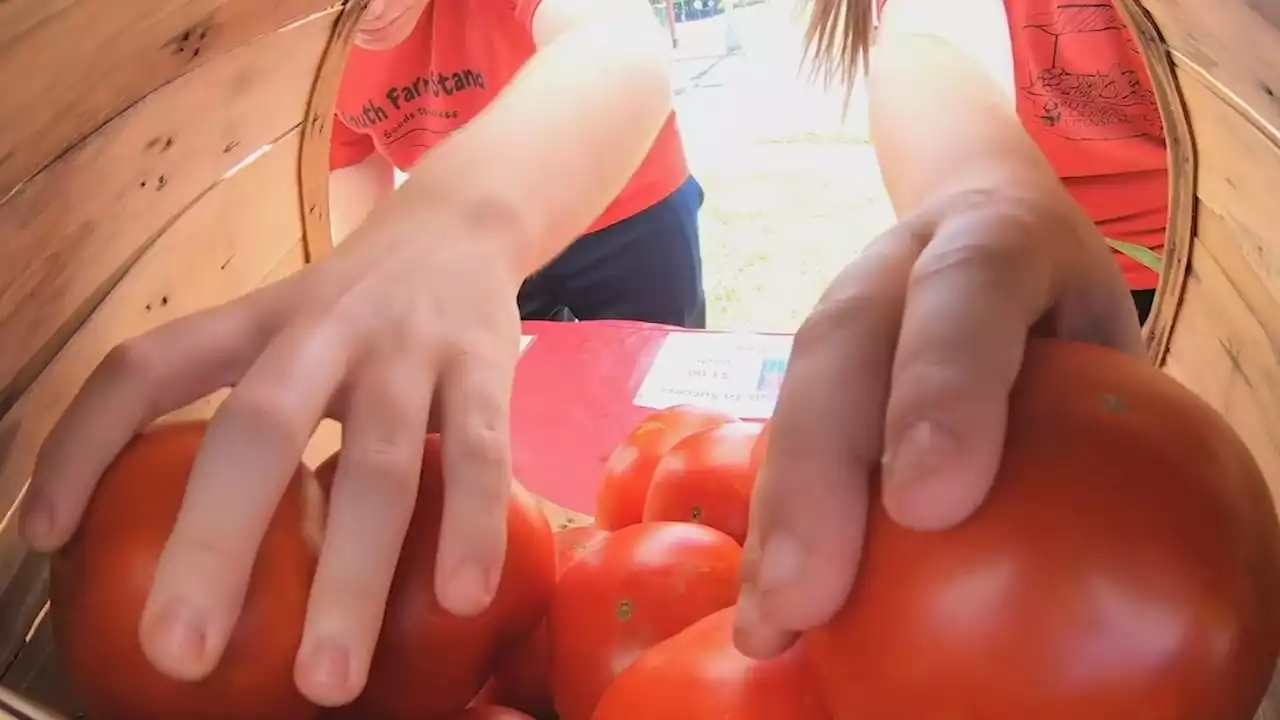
x=647, y=267
x=1142, y=302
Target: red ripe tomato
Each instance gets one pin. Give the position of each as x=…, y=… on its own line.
x=101, y=578
x=627, y=472
x=706, y=478
x=427, y=661
x=1125, y=565
x=523, y=677
x=489, y=712
x=698, y=675
x=627, y=592
x=761, y=448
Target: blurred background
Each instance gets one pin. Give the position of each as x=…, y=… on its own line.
x=793, y=189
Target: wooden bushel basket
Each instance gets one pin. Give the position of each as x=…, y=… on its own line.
x=158, y=157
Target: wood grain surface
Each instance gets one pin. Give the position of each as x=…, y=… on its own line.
x=135, y=188
x=156, y=171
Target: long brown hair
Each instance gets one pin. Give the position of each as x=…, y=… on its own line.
x=838, y=39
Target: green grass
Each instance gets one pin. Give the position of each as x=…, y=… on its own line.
x=793, y=191
x=780, y=220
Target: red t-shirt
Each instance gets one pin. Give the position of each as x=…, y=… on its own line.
x=1084, y=95
x=401, y=102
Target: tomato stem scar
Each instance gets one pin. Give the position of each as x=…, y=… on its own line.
x=1113, y=403
x=624, y=610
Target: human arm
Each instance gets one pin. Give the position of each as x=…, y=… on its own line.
x=558, y=143
x=415, y=311
x=941, y=95
x=924, y=332
x=943, y=106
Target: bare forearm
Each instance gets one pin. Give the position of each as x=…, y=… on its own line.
x=355, y=191
x=942, y=124
x=559, y=143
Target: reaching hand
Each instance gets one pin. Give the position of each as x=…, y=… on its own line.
x=905, y=367
x=393, y=321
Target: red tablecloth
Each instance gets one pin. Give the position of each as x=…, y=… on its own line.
x=573, y=403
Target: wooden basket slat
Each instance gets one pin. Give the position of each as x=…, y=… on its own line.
x=1223, y=348
x=223, y=247
x=94, y=257
x=22, y=600
x=1224, y=334
x=1181, y=156
x=37, y=675
x=70, y=65
x=1232, y=41
x=1239, y=174
x=1225, y=339
x=72, y=230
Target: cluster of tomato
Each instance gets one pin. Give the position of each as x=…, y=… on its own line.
x=1125, y=564
x=630, y=590
x=661, y=560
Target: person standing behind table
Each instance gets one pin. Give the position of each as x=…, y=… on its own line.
x=530, y=122
x=1082, y=92
x=1013, y=135
x=402, y=95
x=1084, y=95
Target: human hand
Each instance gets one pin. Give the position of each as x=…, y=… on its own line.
x=396, y=318
x=905, y=365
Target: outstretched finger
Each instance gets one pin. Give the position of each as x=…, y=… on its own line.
x=973, y=297
x=139, y=381
x=371, y=503
x=251, y=450
x=808, y=510
x=475, y=394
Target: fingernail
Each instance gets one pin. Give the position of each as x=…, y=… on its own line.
x=329, y=665
x=921, y=450
x=753, y=635
x=37, y=521
x=472, y=587
x=780, y=563
x=748, y=608
x=181, y=637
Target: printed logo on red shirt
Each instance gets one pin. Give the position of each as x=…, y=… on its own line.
x=1107, y=100
x=393, y=114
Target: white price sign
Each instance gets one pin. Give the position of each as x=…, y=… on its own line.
x=737, y=373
